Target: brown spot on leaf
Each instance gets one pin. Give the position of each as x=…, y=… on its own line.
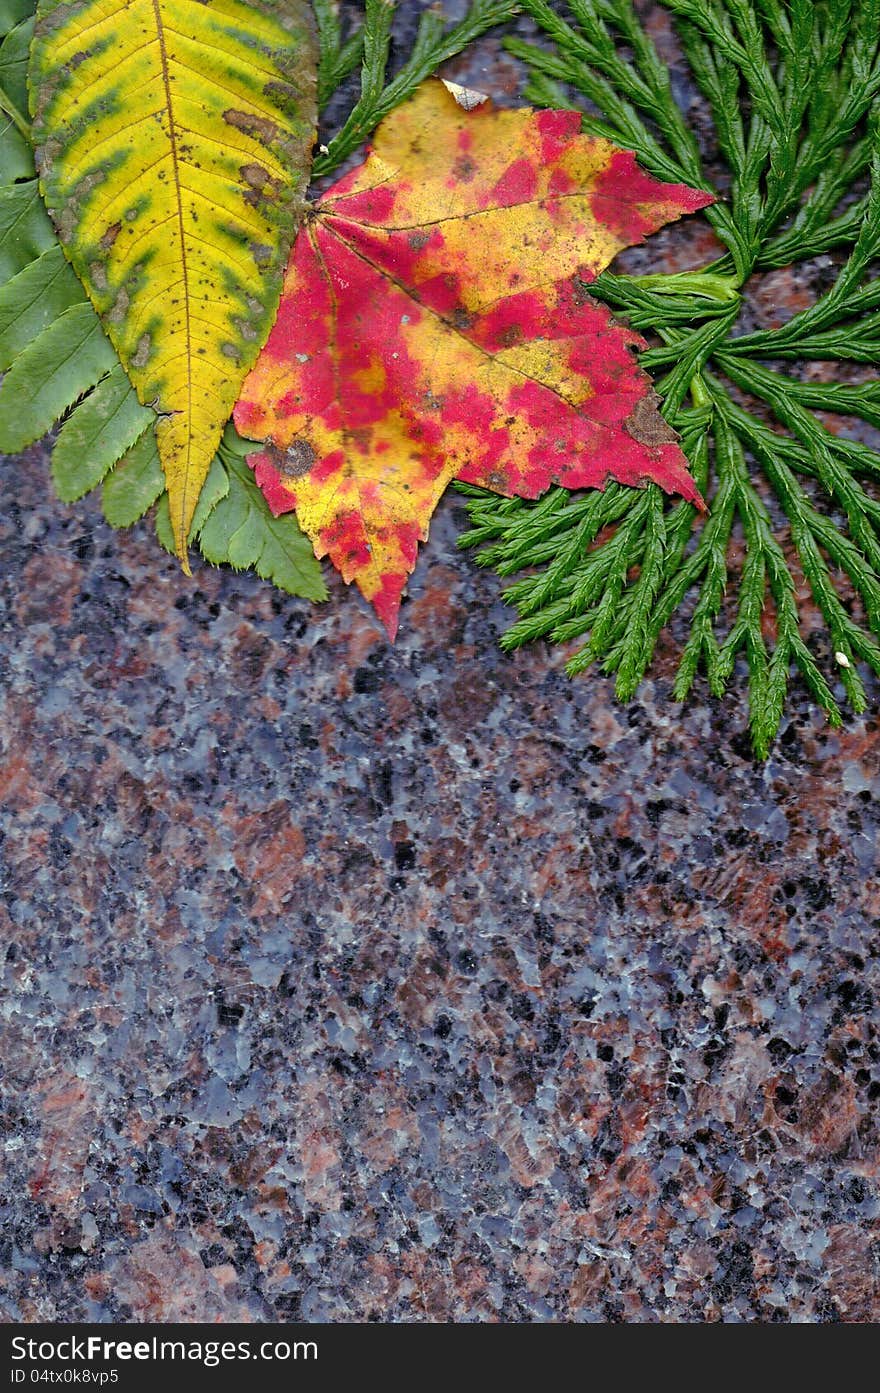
x=120, y=307
x=580, y=293
x=262, y=188
x=298, y=458
x=141, y=357
x=110, y=236
x=256, y=126
x=295, y=461
x=255, y=175
x=645, y=424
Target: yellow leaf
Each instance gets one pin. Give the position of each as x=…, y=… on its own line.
x=172, y=141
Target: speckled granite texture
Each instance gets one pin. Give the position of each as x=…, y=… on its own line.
x=343, y=983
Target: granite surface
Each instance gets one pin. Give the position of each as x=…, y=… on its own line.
x=343, y=982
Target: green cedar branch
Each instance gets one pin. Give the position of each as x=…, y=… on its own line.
x=793, y=91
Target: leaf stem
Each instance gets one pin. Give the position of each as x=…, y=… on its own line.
x=21, y=124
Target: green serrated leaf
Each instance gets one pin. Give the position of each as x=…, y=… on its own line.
x=217, y=531
x=25, y=229
x=13, y=62
x=65, y=361
x=134, y=484
x=12, y=12
x=97, y=434
x=244, y=544
x=243, y=532
x=16, y=160
x=33, y=300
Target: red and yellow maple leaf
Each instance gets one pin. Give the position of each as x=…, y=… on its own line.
x=434, y=325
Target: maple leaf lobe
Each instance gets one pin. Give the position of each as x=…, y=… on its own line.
x=419, y=339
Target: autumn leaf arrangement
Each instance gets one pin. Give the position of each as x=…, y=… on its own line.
x=419, y=338
x=133, y=104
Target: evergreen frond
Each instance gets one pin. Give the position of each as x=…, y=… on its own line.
x=793, y=89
